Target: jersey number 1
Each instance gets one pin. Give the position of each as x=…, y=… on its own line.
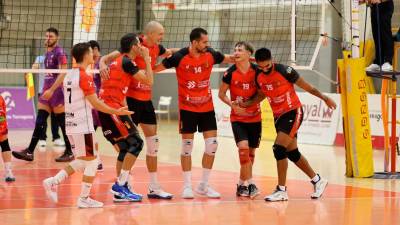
x=70, y=93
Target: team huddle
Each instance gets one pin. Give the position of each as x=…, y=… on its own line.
x=119, y=100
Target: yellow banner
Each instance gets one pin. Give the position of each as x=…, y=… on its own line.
x=359, y=136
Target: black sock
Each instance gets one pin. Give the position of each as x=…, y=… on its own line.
x=40, y=128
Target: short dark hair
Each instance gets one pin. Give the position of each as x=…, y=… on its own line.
x=52, y=30
x=249, y=47
x=79, y=50
x=94, y=44
x=196, y=33
x=127, y=41
x=263, y=54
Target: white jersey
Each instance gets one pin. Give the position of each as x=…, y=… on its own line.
x=78, y=111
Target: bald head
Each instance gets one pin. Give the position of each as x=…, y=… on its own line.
x=154, y=32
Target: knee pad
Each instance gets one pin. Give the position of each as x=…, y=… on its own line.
x=244, y=156
x=121, y=155
x=211, y=146
x=279, y=152
x=135, y=144
x=187, y=147
x=5, y=146
x=41, y=123
x=153, y=144
x=77, y=165
x=294, y=155
x=91, y=168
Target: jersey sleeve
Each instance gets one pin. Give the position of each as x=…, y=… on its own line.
x=227, y=78
x=288, y=72
x=174, y=60
x=129, y=67
x=62, y=57
x=86, y=84
x=218, y=56
x=162, y=50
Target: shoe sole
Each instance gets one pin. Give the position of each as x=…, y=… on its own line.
x=205, y=195
x=155, y=196
x=280, y=200
x=127, y=199
x=20, y=157
x=254, y=195
x=9, y=180
x=69, y=160
x=315, y=197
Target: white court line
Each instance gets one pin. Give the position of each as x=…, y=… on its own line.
x=211, y=201
x=113, y=167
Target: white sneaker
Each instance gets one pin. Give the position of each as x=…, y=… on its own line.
x=88, y=203
x=58, y=142
x=319, y=188
x=205, y=189
x=51, y=189
x=277, y=195
x=158, y=193
x=373, y=68
x=387, y=67
x=42, y=145
x=187, y=192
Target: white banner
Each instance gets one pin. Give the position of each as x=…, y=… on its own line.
x=87, y=17
x=222, y=113
x=319, y=122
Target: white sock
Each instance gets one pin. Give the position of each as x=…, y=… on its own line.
x=60, y=177
x=123, y=177
x=241, y=182
x=7, y=167
x=250, y=181
x=205, y=176
x=282, y=188
x=316, y=178
x=153, y=179
x=85, y=189
x=187, y=178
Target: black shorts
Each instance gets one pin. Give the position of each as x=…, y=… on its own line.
x=289, y=123
x=116, y=127
x=190, y=122
x=144, y=111
x=250, y=132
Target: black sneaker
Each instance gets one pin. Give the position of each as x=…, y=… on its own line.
x=242, y=191
x=66, y=157
x=100, y=167
x=253, y=191
x=23, y=155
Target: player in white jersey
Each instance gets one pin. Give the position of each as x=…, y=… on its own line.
x=80, y=96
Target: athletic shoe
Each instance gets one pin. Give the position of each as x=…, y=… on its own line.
x=277, y=195
x=319, y=188
x=205, y=189
x=42, y=145
x=124, y=192
x=100, y=167
x=187, y=192
x=58, y=142
x=23, y=155
x=242, y=191
x=51, y=189
x=88, y=203
x=387, y=67
x=253, y=191
x=117, y=198
x=158, y=193
x=9, y=177
x=66, y=157
x=373, y=68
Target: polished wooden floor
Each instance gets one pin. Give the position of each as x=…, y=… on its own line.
x=346, y=201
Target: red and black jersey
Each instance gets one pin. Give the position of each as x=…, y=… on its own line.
x=242, y=86
x=138, y=90
x=277, y=85
x=113, y=91
x=3, y=118
x=193, y=75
